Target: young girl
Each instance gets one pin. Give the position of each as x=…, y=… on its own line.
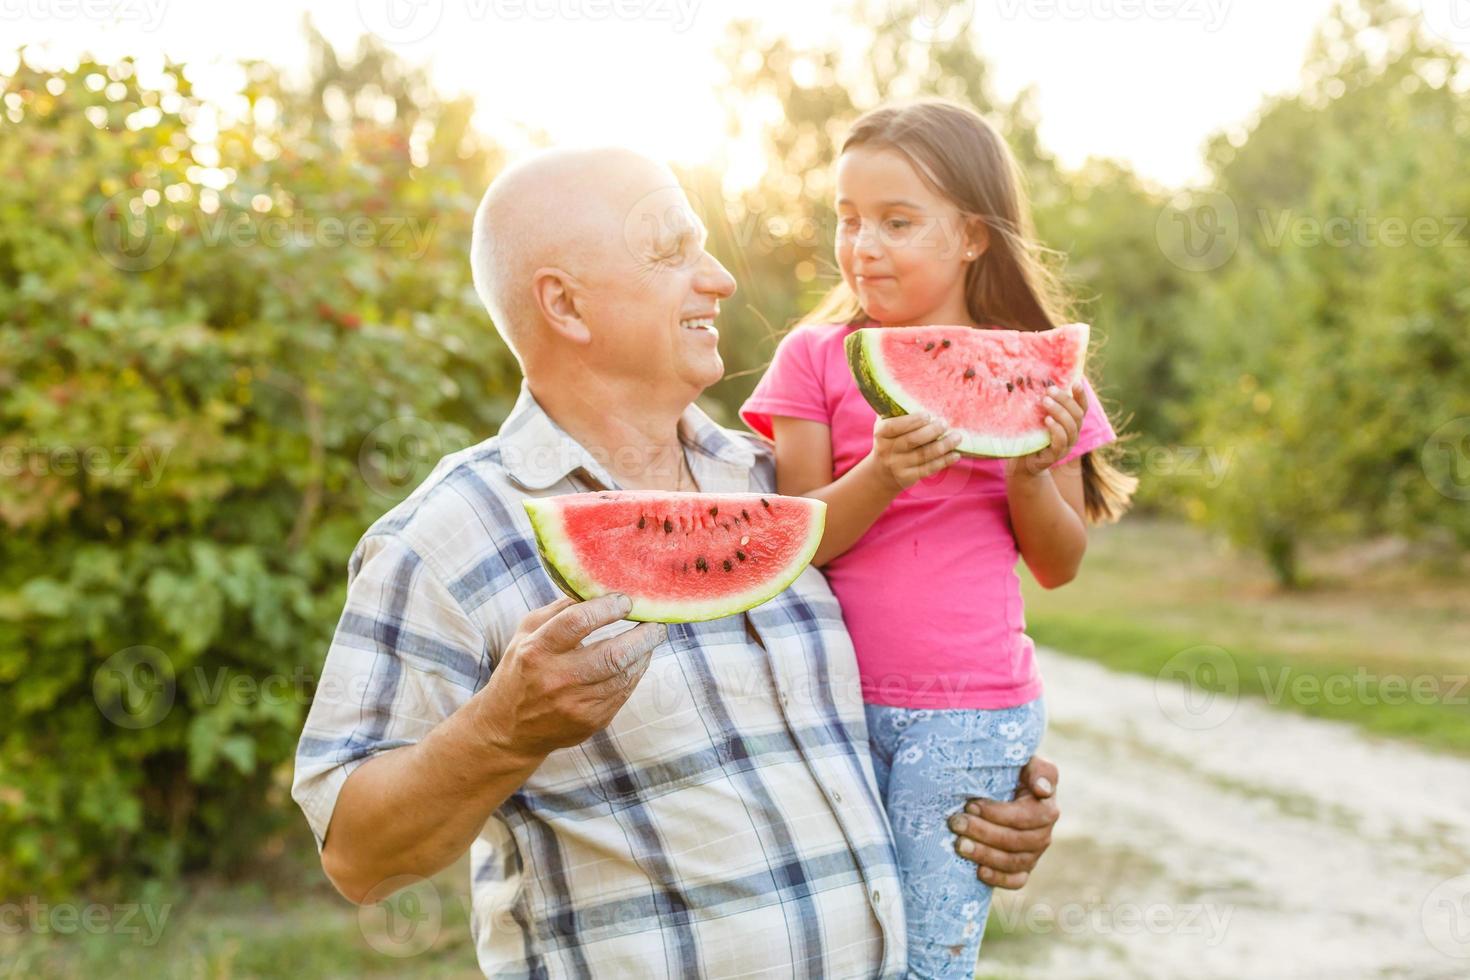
x=921, y=544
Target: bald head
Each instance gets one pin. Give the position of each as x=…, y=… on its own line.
x=560, y=209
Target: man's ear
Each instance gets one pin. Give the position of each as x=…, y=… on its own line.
x=556, y=294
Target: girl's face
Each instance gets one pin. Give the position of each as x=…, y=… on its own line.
x=902, y=248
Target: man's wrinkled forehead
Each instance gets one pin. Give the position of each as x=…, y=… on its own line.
x=663, y=218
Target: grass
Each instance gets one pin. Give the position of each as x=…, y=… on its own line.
x=1377, y=640
x=286, y=921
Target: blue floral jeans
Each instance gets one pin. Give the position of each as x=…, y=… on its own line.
x=928, y=764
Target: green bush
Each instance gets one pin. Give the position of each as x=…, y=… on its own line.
x=228, y=344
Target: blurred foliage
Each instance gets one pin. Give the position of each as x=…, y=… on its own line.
x=210, y=328
x=1333, y=345
x=1313, y=374
x=231, y=335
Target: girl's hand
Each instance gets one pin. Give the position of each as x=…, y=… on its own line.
x=911, y=447
x=1064, y=421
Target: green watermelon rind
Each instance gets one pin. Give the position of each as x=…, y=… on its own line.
x=558, y=556
x=889, y=399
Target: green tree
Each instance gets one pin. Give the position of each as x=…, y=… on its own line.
x=1332, y=345
x=230, y=337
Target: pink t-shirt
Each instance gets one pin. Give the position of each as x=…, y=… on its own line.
x=930, y=593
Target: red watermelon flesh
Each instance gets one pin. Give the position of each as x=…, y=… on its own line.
x=987, y=384
x=681, y=557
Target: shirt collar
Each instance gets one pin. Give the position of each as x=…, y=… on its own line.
x=538, y=453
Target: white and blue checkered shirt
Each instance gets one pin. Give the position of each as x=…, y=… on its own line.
x=725, y=824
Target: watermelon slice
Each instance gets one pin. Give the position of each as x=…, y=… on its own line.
x=988, y=384
x=681, y=557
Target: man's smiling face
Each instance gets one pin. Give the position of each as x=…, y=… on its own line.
x=655, y=291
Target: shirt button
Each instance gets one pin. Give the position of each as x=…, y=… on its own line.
x=875, y=897
x=836, y=797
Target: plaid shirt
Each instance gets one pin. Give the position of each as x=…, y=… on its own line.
x=725, y=824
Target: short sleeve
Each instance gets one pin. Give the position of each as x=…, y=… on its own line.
x=404, y=657
x=792, y=386
x=1096, y=429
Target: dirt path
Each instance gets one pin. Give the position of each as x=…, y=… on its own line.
x=1236, y=840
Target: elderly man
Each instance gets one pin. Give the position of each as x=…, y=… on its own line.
x=690, y=800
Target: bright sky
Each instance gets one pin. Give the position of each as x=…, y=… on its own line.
x=1146, y=81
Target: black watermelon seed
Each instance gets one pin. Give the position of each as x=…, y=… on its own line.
x=1010, y=387
x=969, y=373
x=701, y=564
x=944, y=343
x=740, y=555
x=929, y=345
x=714, y=512
x=765, y=503
x=668, y=526
x=642, y=523
x=728, y=566
x=745, y=514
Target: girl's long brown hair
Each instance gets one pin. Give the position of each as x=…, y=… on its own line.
x=1011, y=285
